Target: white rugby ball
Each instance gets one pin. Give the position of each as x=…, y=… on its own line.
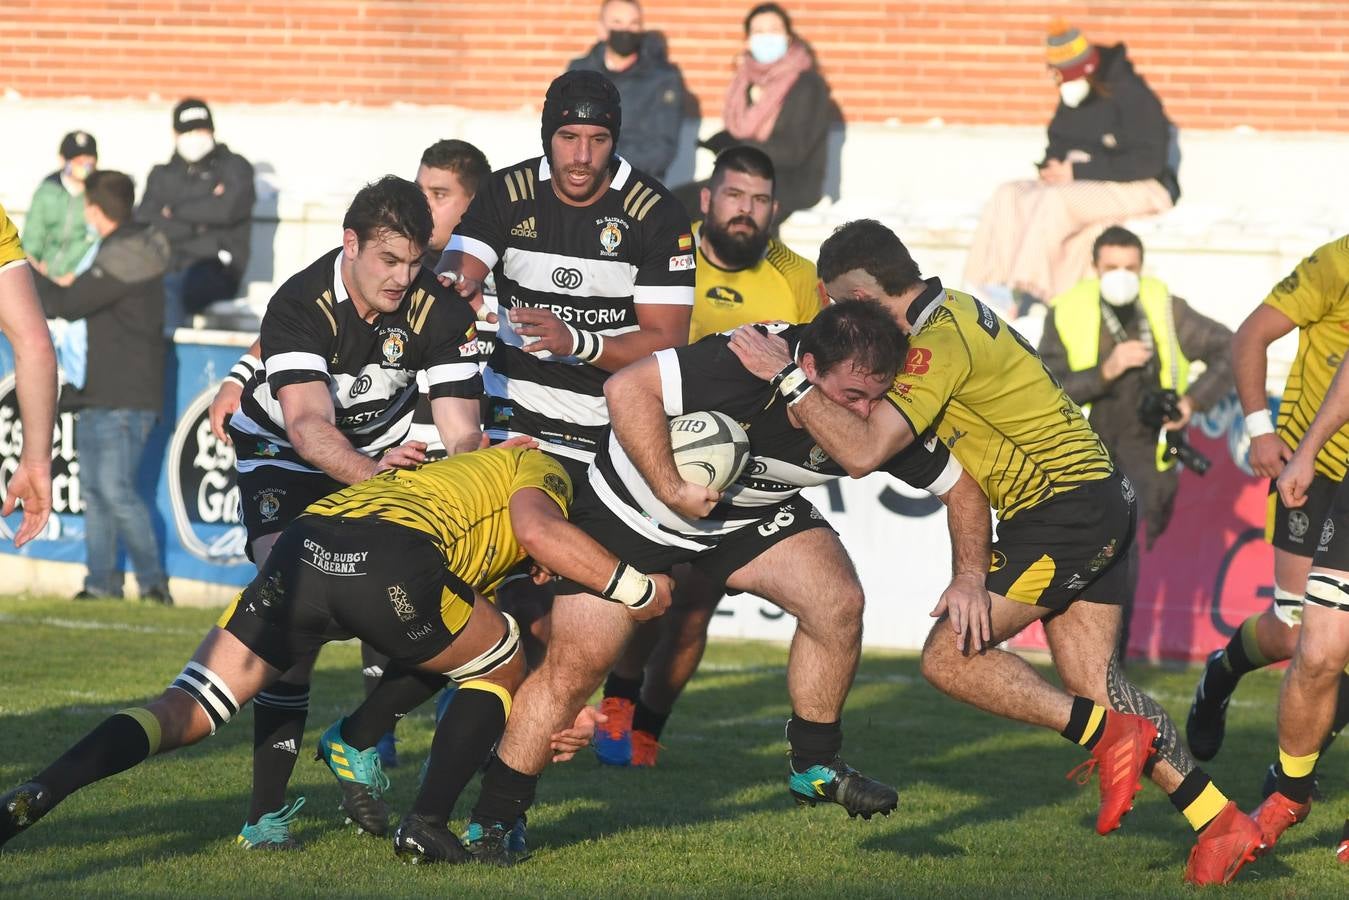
x=710, y=448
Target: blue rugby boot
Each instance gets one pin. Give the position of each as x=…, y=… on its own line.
x=272, y=830
x=494, y=845
x=838, y=782
x=361, y=777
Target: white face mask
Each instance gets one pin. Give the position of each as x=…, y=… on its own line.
x=1119, y=287
x=1072, y=93
x=767, y=48
x=193, y=145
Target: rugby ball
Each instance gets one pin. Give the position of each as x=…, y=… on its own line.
x=710, y=448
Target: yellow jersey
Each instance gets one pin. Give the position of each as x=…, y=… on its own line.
x=462, y=502
x=11, y=251
x=983, y=390
x=1316, y=297
x=780, y=287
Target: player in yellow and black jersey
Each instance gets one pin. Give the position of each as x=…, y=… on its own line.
x=1067, y=519
x=1314, y=299
x=400, y=562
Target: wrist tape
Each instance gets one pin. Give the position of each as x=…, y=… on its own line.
x=629, y=587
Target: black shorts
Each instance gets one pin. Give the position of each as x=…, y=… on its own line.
x=718, y=562
x=1297, y=531
x=1332, y=547
x=271, y=497
x=330, y=579
x=1072, y=546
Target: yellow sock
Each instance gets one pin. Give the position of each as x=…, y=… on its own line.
x=1297, y=766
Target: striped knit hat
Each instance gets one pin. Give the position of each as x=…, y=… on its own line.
x=1069, y=52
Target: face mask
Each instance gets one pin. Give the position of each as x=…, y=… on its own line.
x=1119, y=287
x=193, y=145
x=78, y=171
x=625, y=43
x=767, y=48
x=1074, y=92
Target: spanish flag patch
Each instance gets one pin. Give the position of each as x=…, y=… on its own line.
x=686, y=242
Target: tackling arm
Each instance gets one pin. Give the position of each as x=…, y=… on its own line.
x=307, y=412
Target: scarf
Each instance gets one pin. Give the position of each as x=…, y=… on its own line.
x=747, y=121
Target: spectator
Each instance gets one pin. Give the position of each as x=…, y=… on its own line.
x=35, y=382
x=55, y=235
x=122, y=297
x=1117, y=343
x=650, y=86
x=1107, y=161
x=778, y=102
x=202, y=200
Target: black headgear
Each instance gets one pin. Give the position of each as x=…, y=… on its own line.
x=581, y=97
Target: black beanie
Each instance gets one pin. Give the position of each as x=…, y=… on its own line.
x=581, y=97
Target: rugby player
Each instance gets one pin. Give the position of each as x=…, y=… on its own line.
x=743, y=275
x=1066, y=515
x=1312, y=299
x=760, y=536
x=402, y=561
x=342, y=344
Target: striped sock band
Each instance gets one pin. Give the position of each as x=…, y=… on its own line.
x=210, y=691
x=1086, y=723
x=1198, y=799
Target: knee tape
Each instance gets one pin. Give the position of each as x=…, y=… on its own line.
x=210, y=692
x=492, y=659
x=1332, y=593
x=1287, y=607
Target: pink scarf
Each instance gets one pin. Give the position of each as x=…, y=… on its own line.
x=754, y=121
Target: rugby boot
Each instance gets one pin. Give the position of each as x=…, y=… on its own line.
x=613, y=739
x=1224, y=846
x=495, y=844
x=272, y=830
x=645, y=749
x=838, y=782
x=22, y=807
x=361, y=777
x=1206, y=724
x=1275, y=816
x=1342, y=849
x=418, y=841
x=1118, y=758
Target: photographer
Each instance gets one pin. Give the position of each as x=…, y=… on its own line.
x=1118, y=343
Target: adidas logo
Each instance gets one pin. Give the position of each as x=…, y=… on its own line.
x=288, y=745
x=525, y=229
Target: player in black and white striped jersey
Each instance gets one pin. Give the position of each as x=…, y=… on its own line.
x=759, y=536
x=594, y=269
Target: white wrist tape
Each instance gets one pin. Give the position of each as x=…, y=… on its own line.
x=794, y=385
x=1259, y=423
x=244, y=369
x=585, y=345
x=630, y=587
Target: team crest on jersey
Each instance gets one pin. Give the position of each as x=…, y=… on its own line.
x=725, y=296
x=610, y=237
x=1298, y=523
x=817, y=457
x=392, y=348
x=557, y=484
x=269, y=505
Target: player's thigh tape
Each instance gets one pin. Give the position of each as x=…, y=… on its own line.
x=210, y=692
x=1332, y=593
x=1287, y=607
x=492, y=659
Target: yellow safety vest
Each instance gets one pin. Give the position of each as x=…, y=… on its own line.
x=1077, y=316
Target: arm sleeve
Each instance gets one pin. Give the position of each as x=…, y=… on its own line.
x=540, y=471
x=937, y=366
x=88, y=294
x=480, y=232
x=1140, y=139
x=1301, y=296
x=234, y=204
x=451, y=333
x=296, y=336
x=1083, y=386
x=708, y=375
x=665, y=273
x=1204, y=339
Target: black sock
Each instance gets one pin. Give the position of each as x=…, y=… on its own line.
x=373, y=664
x=1341, y=713
x=399, y=691
x=279, y=715
x=506, y=794
x=464, y=739
x=1086, y=722
x=1241, y=655
x=644, y=718
x=627, y=688
x=118, y=743
x=813, y=743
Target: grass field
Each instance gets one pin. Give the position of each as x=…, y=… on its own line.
x=984, y=807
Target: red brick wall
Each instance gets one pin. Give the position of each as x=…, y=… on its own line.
x=1271, y=64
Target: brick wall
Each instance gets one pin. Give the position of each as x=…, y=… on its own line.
x=1271, y=64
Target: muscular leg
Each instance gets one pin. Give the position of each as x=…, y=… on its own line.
x=1307, y=700
x=683, y=639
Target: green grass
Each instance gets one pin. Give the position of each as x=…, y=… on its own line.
x=984, y=808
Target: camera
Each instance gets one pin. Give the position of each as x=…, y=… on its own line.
x=1157, y=407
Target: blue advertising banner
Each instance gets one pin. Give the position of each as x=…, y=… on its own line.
x=185, y=469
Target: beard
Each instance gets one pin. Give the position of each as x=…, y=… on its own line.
x=736, y=250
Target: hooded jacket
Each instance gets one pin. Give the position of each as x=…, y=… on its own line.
x=652, y=93
x=54, y=231
x=201, y=222
x=1121, y=125
x=121, y=296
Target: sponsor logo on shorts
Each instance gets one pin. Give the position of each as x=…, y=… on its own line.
x=1327, y=533
x=1126, y=489
x=269, y=505
x=781, y=519
x=998, y=561
x=330, y=563
x=1102, y=559
x=421, y=631
x=1298, y=523
x=1075, y=583
x=402, y=606
x=271, y=592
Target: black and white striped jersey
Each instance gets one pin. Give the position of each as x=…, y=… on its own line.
x=592, y=266
x=312, y=332
x=783, y=459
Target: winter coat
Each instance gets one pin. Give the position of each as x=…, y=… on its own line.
x=201, y=222
x=55, y=232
